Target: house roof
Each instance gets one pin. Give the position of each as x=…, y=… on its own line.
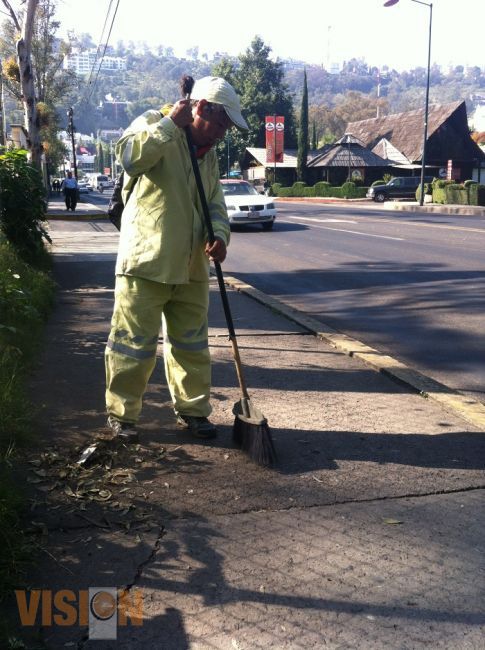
x=386, y=149
x=349, y=138
x=404, y=130
x=289, y=158
x=348, y=152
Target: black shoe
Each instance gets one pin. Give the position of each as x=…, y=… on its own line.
x=198, y=427
x=125, y=431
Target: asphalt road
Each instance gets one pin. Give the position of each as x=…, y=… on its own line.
x=411, y=285
x=97, y=198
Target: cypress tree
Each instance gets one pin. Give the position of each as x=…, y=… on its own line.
x=314, y=136
x=100, y=157
x=303, y=134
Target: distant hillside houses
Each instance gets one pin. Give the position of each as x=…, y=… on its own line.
x=82, y=62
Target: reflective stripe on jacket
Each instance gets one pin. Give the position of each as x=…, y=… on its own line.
x=163, y=235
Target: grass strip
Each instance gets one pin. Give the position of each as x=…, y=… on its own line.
x=26, y=296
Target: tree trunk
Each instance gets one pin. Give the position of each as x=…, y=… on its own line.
x=27, y=86
x=24, y=46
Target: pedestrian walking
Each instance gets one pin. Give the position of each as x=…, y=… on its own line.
x=162, y=269
x=70, y=188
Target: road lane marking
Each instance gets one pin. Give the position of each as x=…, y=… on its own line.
x=313, y=219
x=433, y=225
x=353, y=232
x=399, y=222
x=364, y=234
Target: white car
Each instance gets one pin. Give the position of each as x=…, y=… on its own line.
x=84, y=187
x=245, y=205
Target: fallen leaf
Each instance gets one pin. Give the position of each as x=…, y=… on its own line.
x=392, y=521
x=33, y=479
x=103, y=495
x=45, y=488
x=69, y=492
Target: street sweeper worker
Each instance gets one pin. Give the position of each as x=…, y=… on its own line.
x=162, y=268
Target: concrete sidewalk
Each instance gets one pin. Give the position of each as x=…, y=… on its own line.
x=368, y=534
x=85, y=209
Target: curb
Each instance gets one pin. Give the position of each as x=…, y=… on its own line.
x=317, y=199
x=464, y=406
x=69, y=216
x=466, y=210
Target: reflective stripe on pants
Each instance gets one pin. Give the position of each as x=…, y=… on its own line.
x=140, y=306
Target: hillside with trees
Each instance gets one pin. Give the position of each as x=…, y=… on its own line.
x=266, y=86
x=152, y=79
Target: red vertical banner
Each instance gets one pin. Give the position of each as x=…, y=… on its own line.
x=449, y=170
x=275, y=138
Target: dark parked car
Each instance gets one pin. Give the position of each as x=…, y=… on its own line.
x=401, y=187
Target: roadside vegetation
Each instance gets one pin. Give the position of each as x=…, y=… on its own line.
x=26, y=294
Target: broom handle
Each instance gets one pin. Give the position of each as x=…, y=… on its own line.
x=220, y=277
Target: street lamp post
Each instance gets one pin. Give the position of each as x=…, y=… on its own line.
x=389, y=3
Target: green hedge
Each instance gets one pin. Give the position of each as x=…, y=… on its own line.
x=348, y=190
x=476, y=193
x=23, y=205
x=449, y=192
x=26, y=295
x=457, y=194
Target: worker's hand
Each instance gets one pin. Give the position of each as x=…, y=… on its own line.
x=181, y=113
x=217, y=252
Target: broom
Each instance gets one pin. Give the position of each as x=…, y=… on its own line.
x=250, y=431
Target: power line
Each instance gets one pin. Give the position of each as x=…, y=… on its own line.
x=105, y=46
x=90, y=86
x=99, y=44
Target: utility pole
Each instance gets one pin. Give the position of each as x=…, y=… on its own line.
x=112, y=163
x=378, y=91
x=70, y=131
x=3, y=130
x=274, y=148
x=228, y=153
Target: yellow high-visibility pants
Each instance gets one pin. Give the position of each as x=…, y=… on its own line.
x=140, y=306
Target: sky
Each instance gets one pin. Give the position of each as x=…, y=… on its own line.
x=314, y=31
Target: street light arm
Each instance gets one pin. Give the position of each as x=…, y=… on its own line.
x=426, y=4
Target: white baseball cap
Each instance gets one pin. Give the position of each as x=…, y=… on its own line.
x=218, y=91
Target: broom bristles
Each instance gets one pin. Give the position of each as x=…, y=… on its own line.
x=255, y=440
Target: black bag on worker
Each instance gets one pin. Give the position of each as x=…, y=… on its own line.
x=115, y=206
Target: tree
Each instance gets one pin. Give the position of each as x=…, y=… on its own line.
x=51, y=83
x=100, y=157
x=314, y=144
x=303, y=134
x=26, y=76
x=259, y=82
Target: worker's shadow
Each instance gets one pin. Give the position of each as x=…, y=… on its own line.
x=310, y=450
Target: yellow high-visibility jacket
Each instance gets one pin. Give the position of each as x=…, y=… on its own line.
x=163, y=235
